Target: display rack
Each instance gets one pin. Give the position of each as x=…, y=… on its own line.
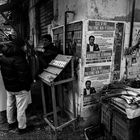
x=49, y=76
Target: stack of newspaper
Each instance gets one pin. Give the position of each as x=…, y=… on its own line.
x=128, y=102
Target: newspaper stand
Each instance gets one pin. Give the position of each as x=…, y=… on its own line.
x=49, y=77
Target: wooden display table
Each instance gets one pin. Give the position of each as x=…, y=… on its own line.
x=49, y=77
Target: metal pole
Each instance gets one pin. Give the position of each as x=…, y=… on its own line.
x=132, y=23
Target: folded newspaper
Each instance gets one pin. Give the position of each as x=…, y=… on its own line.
x=124, y=97
x=129, y=102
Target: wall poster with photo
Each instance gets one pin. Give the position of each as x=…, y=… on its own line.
x=97, y=45
x=99, y=60
x=133, y=60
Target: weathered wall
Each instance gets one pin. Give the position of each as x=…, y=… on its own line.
x=32, y=22
x=107, y=8
x=90, y=9
x=78, y=6
x=94, y=9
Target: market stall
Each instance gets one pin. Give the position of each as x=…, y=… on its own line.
x=98, y=67
x=104, y=67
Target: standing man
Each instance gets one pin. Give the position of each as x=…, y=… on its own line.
x=48, y=53
x=17, y=80
x=91, y=46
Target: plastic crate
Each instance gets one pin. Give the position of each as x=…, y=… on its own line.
x=106, y=117
x=120, y=127
x=124, y=128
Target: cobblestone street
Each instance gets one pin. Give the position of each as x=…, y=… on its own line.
x=39, y=129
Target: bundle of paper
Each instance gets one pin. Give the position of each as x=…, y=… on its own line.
x=123, y=104
x=119, y=103
x=128, y=104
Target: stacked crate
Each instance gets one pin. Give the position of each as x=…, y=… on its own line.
x=118, y=125
x=106, y=117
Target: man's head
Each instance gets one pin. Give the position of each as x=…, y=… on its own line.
x=91, y=40
x=47, y=39
x=88, y=84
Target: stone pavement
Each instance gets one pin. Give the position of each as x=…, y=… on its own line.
x=40, y=130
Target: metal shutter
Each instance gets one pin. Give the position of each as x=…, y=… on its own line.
x=46, y=16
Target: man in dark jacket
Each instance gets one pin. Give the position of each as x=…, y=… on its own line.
x=49, y=52
x=17, y=79
x=91, y=47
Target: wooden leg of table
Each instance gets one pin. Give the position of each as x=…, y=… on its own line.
x=43, y=98
x=74, y=106
x=74, y=103
x=54, y=106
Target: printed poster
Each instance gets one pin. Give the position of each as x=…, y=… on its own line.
x=104, y=43
x=99, y=60
x=118, y=47
x=133, y=60
x=74, y=39
x=98, y=64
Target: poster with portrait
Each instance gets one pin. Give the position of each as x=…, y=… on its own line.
x=102, y=56
x=89, y=94
x=100, y=35
x=98, y=75
x=103, y=31
x=90, y=99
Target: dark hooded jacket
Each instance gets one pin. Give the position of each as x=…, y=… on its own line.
x=50, y=52
x=14, y=68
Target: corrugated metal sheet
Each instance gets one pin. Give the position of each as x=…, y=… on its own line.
x=46, y=16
